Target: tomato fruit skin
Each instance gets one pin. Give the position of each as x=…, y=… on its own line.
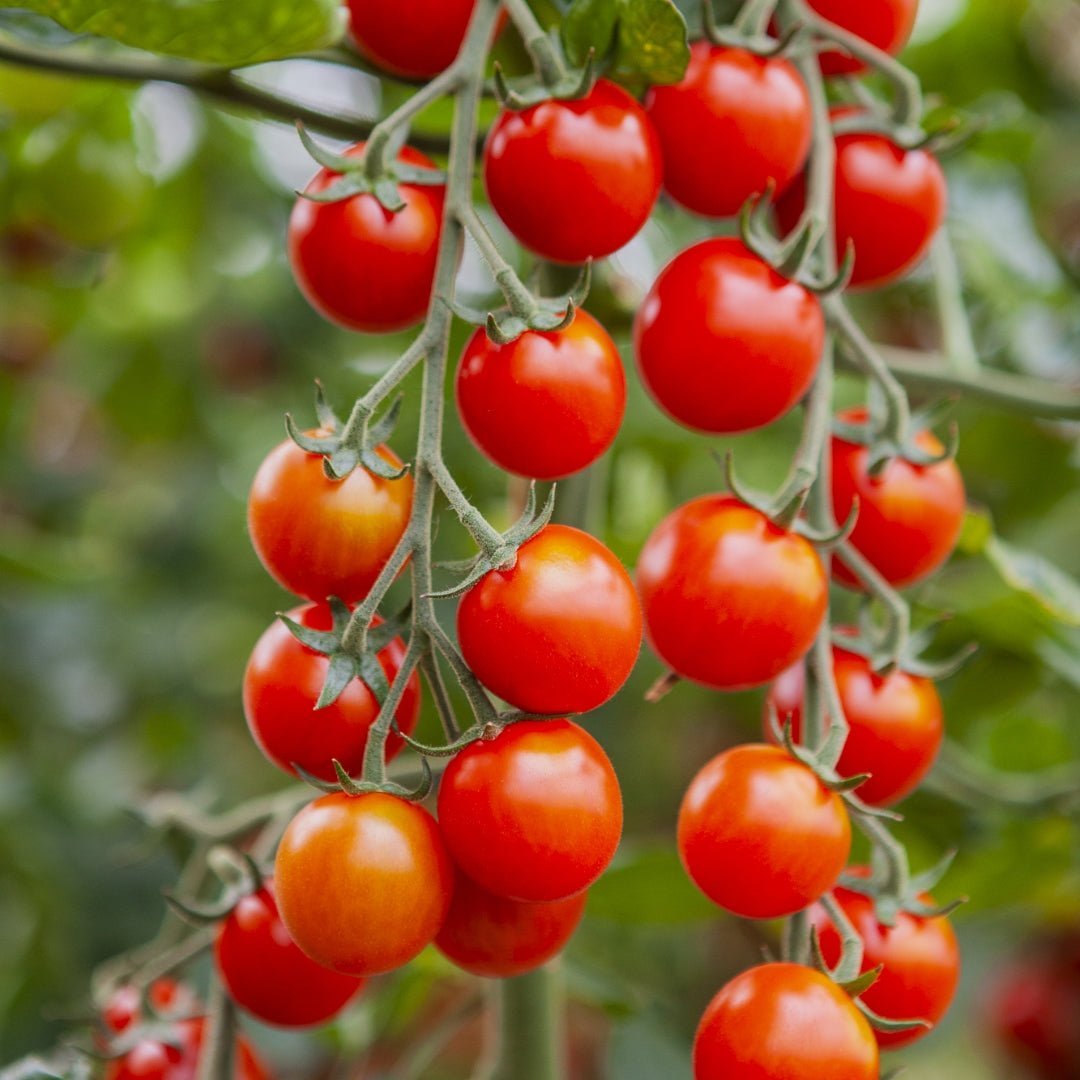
x=896, y=724
x=499, y=938
x=723, y=342
x=574, y=180
x=363, y=882
x=784, y=1022
x=546, y=405
x=319, y=537
x=910, y=516
x=414, y=38
x=360, y=265
x=150, y=1059
x=920, y=962
x=884, y=23
x=760, y=835
x=734, y=123
x=168, y=998
x=534, y=814
x=283, y=681
x=559, y=632
x=730, y=600
x=265, y=972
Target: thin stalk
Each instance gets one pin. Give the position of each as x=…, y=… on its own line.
x=530, y=1022
x=851, y=955
x=219, y=1036
x=956, y=337
x=545, y=56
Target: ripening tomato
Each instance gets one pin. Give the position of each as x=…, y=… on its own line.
x=414, y=38
x=363, y=882
x=168, y=999
x=533, y=814
x=283, y=681
x=910, y=516
x=735, y=123
x=723, y=342
x=319, y=537
x=760, y=835
x=920, y=962
x=574, y=180
x=884, y=23
x=784, y=1022
x=363, y=266
x=730, y=599
x=896, y=724
x=546, y=405
x=499, y=938
x=265, y=972
x=178, y=1058
x=559, y=631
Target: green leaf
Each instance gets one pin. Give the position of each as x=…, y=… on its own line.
x=234, y=34
x=641, y=1050
x=589, y=24
x=1052, y=589
x=652, y=40
x=649, y=887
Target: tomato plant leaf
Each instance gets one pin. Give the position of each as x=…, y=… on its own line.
x=1054, y=591
x=589, y=25
x=652, y=40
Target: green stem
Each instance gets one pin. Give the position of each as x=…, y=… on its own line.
x=549, y=64
x=851, y=955
x=219, y=1036
x=956, y=337
x=530, y=1021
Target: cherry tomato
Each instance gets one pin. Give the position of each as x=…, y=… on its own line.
x=494, y=936
x=884, y=23
x=283, y=681
x=363, y=882
x=151, y=1059
x=546, y=405
x=734, y=124
x=920, y=962
x=266, y=973
x=760, y=835
x=784, y=1022
x=895, y=719
x=730, y=599
x=168, y=999
x=534, y=814
x=319, y=537
x=414, y=38
x=910, y=516
x=723, y=342
x=361, y=265
x=559, y=631
x=574, y=180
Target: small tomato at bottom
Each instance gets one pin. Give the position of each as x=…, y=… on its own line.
x=150, y=1059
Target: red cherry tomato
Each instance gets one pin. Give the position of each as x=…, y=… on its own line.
x=546, y=405
x=734, y=124
x=730, y=599
x=363, y=882
x=574, y=180
x=494, y=936
x=783, y=1021
x=361, y=265
x=414, y=38
x=760, y=835
x=920, y=962
x=896, y=724
x=150, y=1059
x=319, y=537
x=282, y=683
x=534, y=814
x=884, y=23
x=558, y=632
x=723, y=342
x=910, y=516
x=168, y=999
x=266, y=973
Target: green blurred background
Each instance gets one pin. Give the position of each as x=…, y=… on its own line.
x=151, y=339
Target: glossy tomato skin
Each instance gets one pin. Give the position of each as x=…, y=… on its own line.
x=723, y=342
x=896, y=724
x=546, y=405
x=887, y=24
x=265, y=972
x=734, y=123
x=414, y=38
x=363, y=882
x=559, y=632
x=920, y=963
x=500, y=938
x=574, y=180
x=363, y=266
x=319, y=537
x=534, y=814
x=910, y=516
x=150, y=1059
x=283, y=681
x=784, y=1021
x=760, y=835
x=730, y=600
